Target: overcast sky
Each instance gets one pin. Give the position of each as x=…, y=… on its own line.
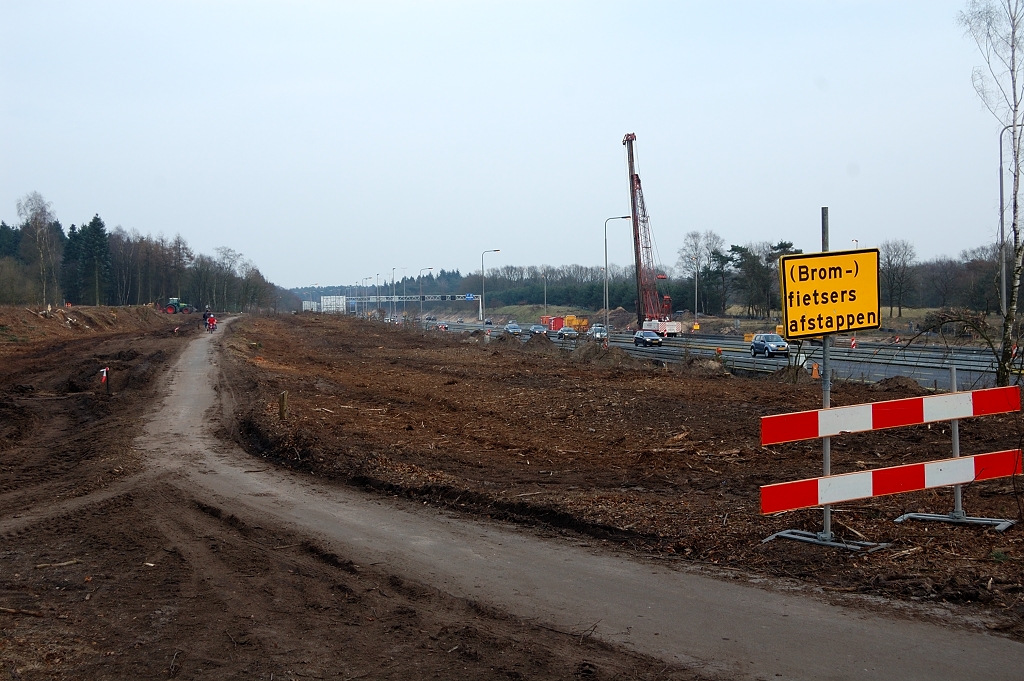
x=331, y=141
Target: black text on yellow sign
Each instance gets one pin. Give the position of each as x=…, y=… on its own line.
x=829, y=292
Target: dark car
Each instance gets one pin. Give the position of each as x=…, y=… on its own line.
x=459, y=320
x=488, y=322
x=769, y=344
x=513, y=329
x=568, y=332
x=646, y=338
x=538, y=329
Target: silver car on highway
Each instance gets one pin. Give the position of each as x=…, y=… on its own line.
x=769, y=344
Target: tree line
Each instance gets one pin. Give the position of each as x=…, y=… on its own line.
x=744, y=276
x=88, y=264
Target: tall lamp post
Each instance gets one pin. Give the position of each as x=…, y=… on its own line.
x=1002, y=234
x=376, y=308
x=696, y=268
x=366, y=294
x=618, y=217
x=483, y=284
x=420, y=277
x=545, y=278
x=394, y=310
x=403, y=294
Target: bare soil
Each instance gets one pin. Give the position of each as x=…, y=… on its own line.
x=664, y=460
x=133, y=578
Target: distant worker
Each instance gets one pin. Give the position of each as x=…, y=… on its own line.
x=206, y=313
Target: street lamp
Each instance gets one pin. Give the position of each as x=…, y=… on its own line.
x=376, y=309
x=696, y=268
x=1002, y=235
x=619, y=217
x=856, y=242
x=483, y=286
x=545, y=278
x=394, y=308
x=365, y=292
x=403, y=294
x=420, y=277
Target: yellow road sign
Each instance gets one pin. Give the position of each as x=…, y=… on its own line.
x=829, y=292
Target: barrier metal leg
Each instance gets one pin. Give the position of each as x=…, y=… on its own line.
x=998, y=524
x=820, y=539
x=957, y=515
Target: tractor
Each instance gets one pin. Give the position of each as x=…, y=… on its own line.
x=175, y=306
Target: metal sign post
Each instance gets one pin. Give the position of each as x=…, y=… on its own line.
x=826, y=395
x=958, y=515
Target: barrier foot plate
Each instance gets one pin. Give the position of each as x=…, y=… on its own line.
x=815, y=538
x=996, y=523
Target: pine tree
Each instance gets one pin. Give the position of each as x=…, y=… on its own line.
x=94, y=261
x=70, y=269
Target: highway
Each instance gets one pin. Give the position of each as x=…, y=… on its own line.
x=868, y=362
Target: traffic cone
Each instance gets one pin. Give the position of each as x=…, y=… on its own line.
x=814, y=371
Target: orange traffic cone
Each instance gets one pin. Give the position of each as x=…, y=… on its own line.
x=814, y=371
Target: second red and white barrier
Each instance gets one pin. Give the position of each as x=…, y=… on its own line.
x=807, y=425
x=832, y=489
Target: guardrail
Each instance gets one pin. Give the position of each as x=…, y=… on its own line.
x=869, y=362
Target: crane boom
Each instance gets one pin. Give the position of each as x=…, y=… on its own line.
x=648, y=305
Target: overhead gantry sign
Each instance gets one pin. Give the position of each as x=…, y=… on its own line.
x=826, y=293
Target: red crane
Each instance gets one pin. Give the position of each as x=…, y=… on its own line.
x=649, y=306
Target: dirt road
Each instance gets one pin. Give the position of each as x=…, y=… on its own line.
x=730, y=630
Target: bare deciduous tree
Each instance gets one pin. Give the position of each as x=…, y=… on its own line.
x=997, y=27
x=40, y=240
x=697, y=256
x=895, y=262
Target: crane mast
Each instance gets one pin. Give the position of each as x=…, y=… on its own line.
x=648, y=305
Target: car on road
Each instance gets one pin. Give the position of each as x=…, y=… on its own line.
x=769, y=344
x=598, y=332
x=459, y=321
x=567, y=332
x=538, y=329
x=442, y=327
x=488, y=322
x=646, y=339
x=513, y=329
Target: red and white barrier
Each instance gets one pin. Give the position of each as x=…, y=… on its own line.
x=832, y=489
x=807, y=425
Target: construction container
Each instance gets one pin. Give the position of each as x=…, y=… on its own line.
x=581, y=324
x=556, y=323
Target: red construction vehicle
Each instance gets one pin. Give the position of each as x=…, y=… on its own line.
x=653, y=312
